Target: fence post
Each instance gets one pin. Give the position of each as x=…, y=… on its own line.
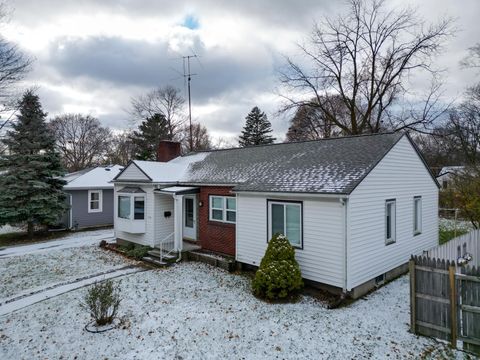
x=453, y=305
x=413, y=326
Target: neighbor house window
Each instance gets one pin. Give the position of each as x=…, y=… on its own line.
x=139, y=208
x=95, y=201
x=286, y=218
x=124, y=207
x=390, y=221
x=223, y=208
x=417, y=215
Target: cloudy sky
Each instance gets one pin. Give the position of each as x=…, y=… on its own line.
x=93, y=56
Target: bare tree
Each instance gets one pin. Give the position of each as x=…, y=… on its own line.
x=364, y=57
x=81, y=140
x=121, y=149
x=464, y=126
x=200, y=138
x=13, y=63
x=166, y=101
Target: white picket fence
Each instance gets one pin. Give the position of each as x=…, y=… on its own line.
x=460, y=246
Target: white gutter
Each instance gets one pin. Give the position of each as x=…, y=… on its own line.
x=344, y=202
x=293, y=194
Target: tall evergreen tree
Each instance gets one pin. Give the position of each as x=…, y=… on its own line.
x=148, y=136
x=31, y=187
x=257, y=129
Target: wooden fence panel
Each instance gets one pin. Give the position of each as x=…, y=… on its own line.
x=469, y=308
x=445, y=301
x=432, y=304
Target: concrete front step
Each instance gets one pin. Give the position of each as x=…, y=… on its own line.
x=155, y=261
x=166, y=257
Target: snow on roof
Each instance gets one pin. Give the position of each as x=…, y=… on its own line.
x=333, y=166
x=451, y=169
x=168, y=172
x=99, y=177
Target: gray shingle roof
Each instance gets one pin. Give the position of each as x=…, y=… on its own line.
x=334, y=166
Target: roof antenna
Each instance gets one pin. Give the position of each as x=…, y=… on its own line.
x=188, y=75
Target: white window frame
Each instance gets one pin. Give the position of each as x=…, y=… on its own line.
x=100, y=201
x=417, y=216
x=393, y=222
x=223, y=209
x=284, y=203
x=132, y=206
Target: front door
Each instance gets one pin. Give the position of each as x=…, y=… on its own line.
x=189, y=217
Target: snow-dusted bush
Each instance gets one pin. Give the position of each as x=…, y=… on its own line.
x=279, y=274
x=102, y=301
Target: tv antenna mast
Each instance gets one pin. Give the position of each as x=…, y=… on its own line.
x=188, y=76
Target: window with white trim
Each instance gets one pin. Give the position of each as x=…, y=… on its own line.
x=286, y=218
x=95, y=201
x=417, y=215
x=223, y=209
x=390, y=221
x=131, y=207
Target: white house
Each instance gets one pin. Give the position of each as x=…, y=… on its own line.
x=355, y=208
x=447, y=173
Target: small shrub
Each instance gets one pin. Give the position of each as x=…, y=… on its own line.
x=279, y=275
x=139, y=252
x=102, y=301
x=103, y=243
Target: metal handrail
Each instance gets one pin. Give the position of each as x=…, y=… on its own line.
x=161, y=247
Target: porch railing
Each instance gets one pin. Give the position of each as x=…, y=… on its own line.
x=167, y=246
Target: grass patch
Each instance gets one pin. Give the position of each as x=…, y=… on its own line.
x=445, y=235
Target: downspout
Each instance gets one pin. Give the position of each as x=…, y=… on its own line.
x=344, y=202
x=70, y=213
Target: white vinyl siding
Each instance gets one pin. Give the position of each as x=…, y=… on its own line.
x=400, y=175
x=132, y=173
x=321, y=258
x=95, y=201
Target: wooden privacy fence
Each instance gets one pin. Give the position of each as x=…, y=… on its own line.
x=459, y=247
x=445, y=302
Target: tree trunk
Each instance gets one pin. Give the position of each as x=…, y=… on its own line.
x=30, y=230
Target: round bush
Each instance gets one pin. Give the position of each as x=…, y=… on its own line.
x=279, y=274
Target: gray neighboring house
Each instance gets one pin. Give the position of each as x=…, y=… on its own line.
x=90, y=196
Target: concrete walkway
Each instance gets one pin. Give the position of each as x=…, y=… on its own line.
x=23, y=300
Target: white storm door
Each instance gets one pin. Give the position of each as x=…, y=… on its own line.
x=189, y=217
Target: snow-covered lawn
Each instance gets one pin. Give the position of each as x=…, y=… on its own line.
x=19, y=273
x=194, y=311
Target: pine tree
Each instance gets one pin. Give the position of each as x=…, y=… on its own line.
x=257, y=129
x=148, y=136
x=31, y=187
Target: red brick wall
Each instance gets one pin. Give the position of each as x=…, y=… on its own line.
x=213, y=235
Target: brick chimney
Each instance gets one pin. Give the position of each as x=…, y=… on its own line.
x=167, y=150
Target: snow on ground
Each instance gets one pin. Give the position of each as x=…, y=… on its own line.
x=7, y=229
x=450, y=225
x=72, y=240
x=37, y=265
x=194, y=311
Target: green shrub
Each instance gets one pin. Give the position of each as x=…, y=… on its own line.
x=279, y=275
x=102, y=301
x=138, y=252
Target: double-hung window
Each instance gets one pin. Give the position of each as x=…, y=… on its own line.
x=223, y=209
x=417, y=215
x=95, y=201
x=124, y=207
x=286, y=218
x=390, y=221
